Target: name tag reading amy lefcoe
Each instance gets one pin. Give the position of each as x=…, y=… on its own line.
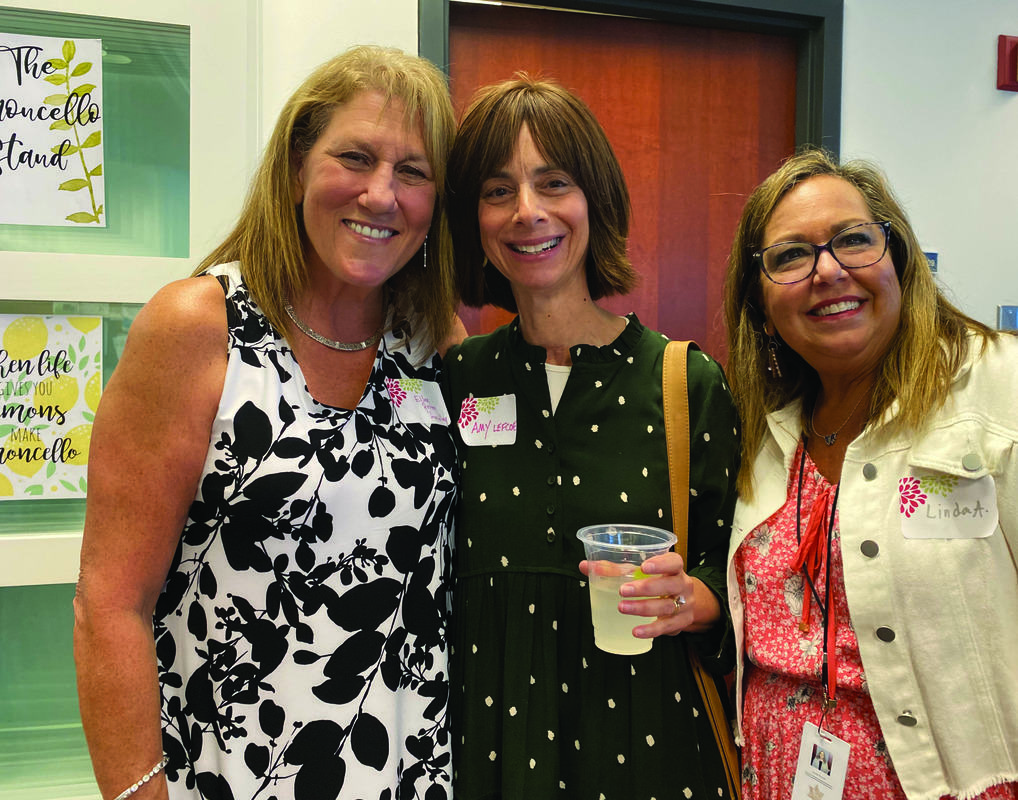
x=417, y=400
x=941, y=506
x=488, y=420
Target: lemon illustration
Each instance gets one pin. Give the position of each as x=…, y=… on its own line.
x=85, y=324
x=25, y=337
x=26, y=441
x=6, y=487
x=58, y=392
x=79, y=438
x=93, y=390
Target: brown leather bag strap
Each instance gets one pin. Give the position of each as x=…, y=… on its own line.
x=676, y=408
x=675, y=400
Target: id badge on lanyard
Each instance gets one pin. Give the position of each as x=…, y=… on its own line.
x=823, y=757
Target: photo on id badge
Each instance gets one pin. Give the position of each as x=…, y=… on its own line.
x=822, y=766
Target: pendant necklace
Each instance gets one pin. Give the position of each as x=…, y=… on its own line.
x=346, y=346
x=831, y=438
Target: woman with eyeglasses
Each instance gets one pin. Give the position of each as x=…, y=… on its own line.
x=872, y=572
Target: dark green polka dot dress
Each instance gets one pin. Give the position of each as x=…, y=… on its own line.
x=537, y=710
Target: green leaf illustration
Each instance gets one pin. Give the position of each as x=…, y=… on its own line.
x=66, y=150
x=55, y=99
x=83, y=484
x=88, y=416
x=69, y=50
x=35, y=490
x=59, y=125
x=56, y=80
x=97, y=171
x=68, y=486
x=81, y=216
x=6, y=430
x=82, y=363
x=74, y=185
x=58, y=63
x=99, y=210
x=93, y=140
x=50, y=469
x=81, y=69
x=83, y=89
x=82, y=342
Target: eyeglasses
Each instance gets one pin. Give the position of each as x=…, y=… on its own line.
x=855, y=247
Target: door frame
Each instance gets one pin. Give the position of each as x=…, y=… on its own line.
x=817, y=26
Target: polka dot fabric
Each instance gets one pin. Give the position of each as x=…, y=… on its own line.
x=537, y=710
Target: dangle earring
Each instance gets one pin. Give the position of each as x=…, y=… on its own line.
x=773, y=365
x=425, y=252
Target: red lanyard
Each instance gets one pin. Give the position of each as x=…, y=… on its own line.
x=814, y=557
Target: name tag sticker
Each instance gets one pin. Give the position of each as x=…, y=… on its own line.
x=942, y=506
x=822, y=767
x=417, y=401
x=488, y=420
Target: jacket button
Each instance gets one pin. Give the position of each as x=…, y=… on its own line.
x=551, y=480
x=550, y=510
x=869, y=471
x=550, y=535
x=907, y=718
x=869, y=548
x=885, y=634
x=972, y=462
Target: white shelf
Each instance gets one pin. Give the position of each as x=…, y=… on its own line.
x=39, y=558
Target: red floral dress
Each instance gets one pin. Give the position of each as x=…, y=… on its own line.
x=783, y=689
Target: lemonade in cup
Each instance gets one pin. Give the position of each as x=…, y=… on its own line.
x=615, y=553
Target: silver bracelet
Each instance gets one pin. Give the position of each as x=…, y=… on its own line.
x=143, y=779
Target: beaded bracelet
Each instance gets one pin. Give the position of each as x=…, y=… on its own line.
x=143, y=779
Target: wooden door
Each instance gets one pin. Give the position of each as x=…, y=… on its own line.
x=697, y=117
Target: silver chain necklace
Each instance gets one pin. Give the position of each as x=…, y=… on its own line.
x=347, y=346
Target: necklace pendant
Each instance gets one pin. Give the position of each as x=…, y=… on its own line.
x=829, y=438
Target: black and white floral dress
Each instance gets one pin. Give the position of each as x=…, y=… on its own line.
x=301, y=633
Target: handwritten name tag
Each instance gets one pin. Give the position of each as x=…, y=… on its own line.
x=488, y=420
x=417, y=401
x=942, y=506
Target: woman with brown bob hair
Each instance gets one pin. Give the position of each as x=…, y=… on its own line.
x=560, y=426
x=266, y=555
x=872, y=557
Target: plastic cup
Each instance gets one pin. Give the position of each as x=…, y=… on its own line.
x=615, y=552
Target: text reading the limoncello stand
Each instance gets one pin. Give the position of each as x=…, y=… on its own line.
x=18, y=378
x=25, y=62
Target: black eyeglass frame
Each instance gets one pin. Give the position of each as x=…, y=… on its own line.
x=826, y=247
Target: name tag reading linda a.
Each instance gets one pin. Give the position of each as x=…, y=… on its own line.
x=941, y=506
x=488, y=420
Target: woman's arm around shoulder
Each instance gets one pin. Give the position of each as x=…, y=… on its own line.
x=149, y=442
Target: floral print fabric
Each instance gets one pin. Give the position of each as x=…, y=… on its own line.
x=783, y=689
x=301, y=633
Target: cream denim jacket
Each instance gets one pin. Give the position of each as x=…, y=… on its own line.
x=936, y=618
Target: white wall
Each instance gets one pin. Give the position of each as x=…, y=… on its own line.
x=920, y=99
x=298, y=35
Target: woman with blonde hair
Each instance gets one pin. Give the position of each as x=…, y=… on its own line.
x=262, y=605
x=872, y=571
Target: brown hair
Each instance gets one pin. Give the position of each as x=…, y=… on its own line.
x=268, y=238
x=567, y=134
x=930, y=343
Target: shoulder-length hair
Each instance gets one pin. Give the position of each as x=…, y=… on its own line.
x=269, y=240
x=930, y=343
x=570, y=138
